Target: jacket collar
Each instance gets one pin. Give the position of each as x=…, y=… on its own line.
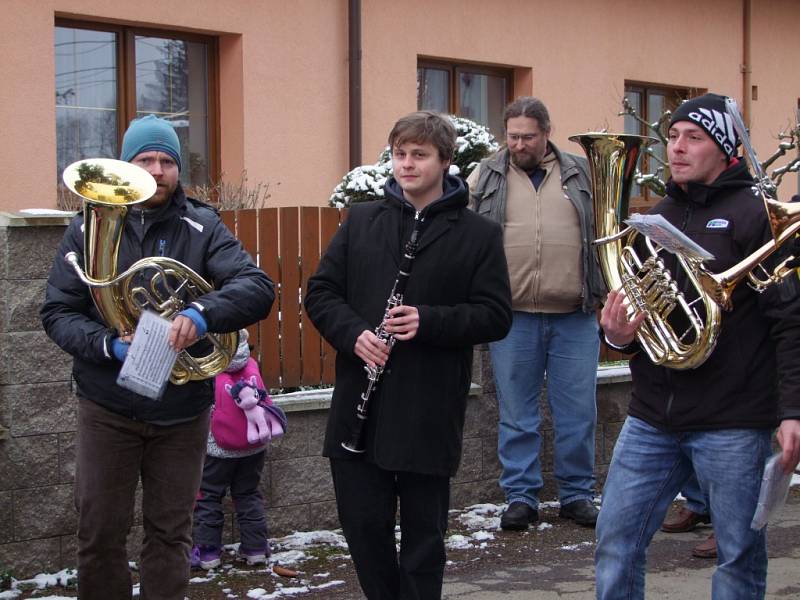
x=454, y=197
x=733, y=178
x=175, y=208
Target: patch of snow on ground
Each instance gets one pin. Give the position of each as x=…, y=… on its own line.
x=457, y=542
x=328, y=584
x=303, y=539
x=281, y=590
x=65, y=577
x=290, y=557
x=482, y=516
x=576, y=546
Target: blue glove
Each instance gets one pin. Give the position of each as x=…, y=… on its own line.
x=198, y=320
x=120, y=349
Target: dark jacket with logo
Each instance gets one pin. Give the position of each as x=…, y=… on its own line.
x=458, y=282
x=752, y=378
x=188, y=231
x=489, y=199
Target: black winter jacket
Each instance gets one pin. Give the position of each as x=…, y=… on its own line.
x=752, y=378
x=188, y=231
x=459, y=283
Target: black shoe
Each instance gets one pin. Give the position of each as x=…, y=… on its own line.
x=517, y=516
x=582, y=512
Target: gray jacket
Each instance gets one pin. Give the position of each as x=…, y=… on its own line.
x=488, y=198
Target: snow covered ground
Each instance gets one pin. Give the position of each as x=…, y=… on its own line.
x=476, y=527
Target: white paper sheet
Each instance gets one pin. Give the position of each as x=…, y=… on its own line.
x=150, y=359
x=661, y=231
x=772, y=495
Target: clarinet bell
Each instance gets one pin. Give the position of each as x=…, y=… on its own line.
x=356, y=442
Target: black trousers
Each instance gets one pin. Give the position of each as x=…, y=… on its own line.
x=366, y=498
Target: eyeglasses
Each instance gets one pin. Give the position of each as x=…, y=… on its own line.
x=516, y=137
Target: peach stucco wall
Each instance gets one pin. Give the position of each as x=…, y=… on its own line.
x=582, y=52
x=283, y=96
x=283, y=71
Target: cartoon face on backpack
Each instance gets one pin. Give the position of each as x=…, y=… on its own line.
x=244, y=416
x=248, y=396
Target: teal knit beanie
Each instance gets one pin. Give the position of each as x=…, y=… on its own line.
x=150, y=133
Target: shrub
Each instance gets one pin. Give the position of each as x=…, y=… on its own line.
x=473, y=144
x=362, y=184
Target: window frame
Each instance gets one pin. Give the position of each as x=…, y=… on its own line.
x=126, y=79
x=456, y=68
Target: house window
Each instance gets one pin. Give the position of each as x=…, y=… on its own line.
x=649, y=102
x=477, y=92
x=108, y=75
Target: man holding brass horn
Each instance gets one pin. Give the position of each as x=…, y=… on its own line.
x=121, y=435
x=715, y=419
x=444, y=271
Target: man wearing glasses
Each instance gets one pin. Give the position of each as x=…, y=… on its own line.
x=541, y=196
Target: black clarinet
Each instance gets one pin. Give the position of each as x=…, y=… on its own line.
x=356, y=442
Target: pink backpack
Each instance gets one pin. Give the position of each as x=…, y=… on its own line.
x=244, y=417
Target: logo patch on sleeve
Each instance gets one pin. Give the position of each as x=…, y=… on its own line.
x=717, y=224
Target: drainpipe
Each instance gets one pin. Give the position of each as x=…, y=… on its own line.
x=746, y=67
x=354, y=80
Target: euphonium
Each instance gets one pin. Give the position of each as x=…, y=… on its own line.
x=648, y=284
x=164, y=285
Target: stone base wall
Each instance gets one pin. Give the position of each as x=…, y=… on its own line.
x=38, y=419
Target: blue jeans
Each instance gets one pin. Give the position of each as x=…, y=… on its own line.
x=695, y=497
x=565, y=347
x=648, y=468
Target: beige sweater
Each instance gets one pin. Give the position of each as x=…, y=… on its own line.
x=542, y=240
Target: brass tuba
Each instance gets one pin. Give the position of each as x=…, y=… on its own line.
x=648, y=284
x=161, y=284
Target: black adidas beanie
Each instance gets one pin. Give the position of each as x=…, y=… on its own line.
x=708, y=111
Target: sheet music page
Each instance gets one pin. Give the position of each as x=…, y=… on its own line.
x=150, y=359
x=772, y=495
x=661, y=231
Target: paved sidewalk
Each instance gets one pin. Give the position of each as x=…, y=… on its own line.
x=553, y=573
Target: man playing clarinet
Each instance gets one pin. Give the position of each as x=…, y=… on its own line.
x=403, y=370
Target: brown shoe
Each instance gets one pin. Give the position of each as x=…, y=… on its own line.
x=706, y=549
x=683, y=520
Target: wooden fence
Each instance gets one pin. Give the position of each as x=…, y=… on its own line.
x=287, y=243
